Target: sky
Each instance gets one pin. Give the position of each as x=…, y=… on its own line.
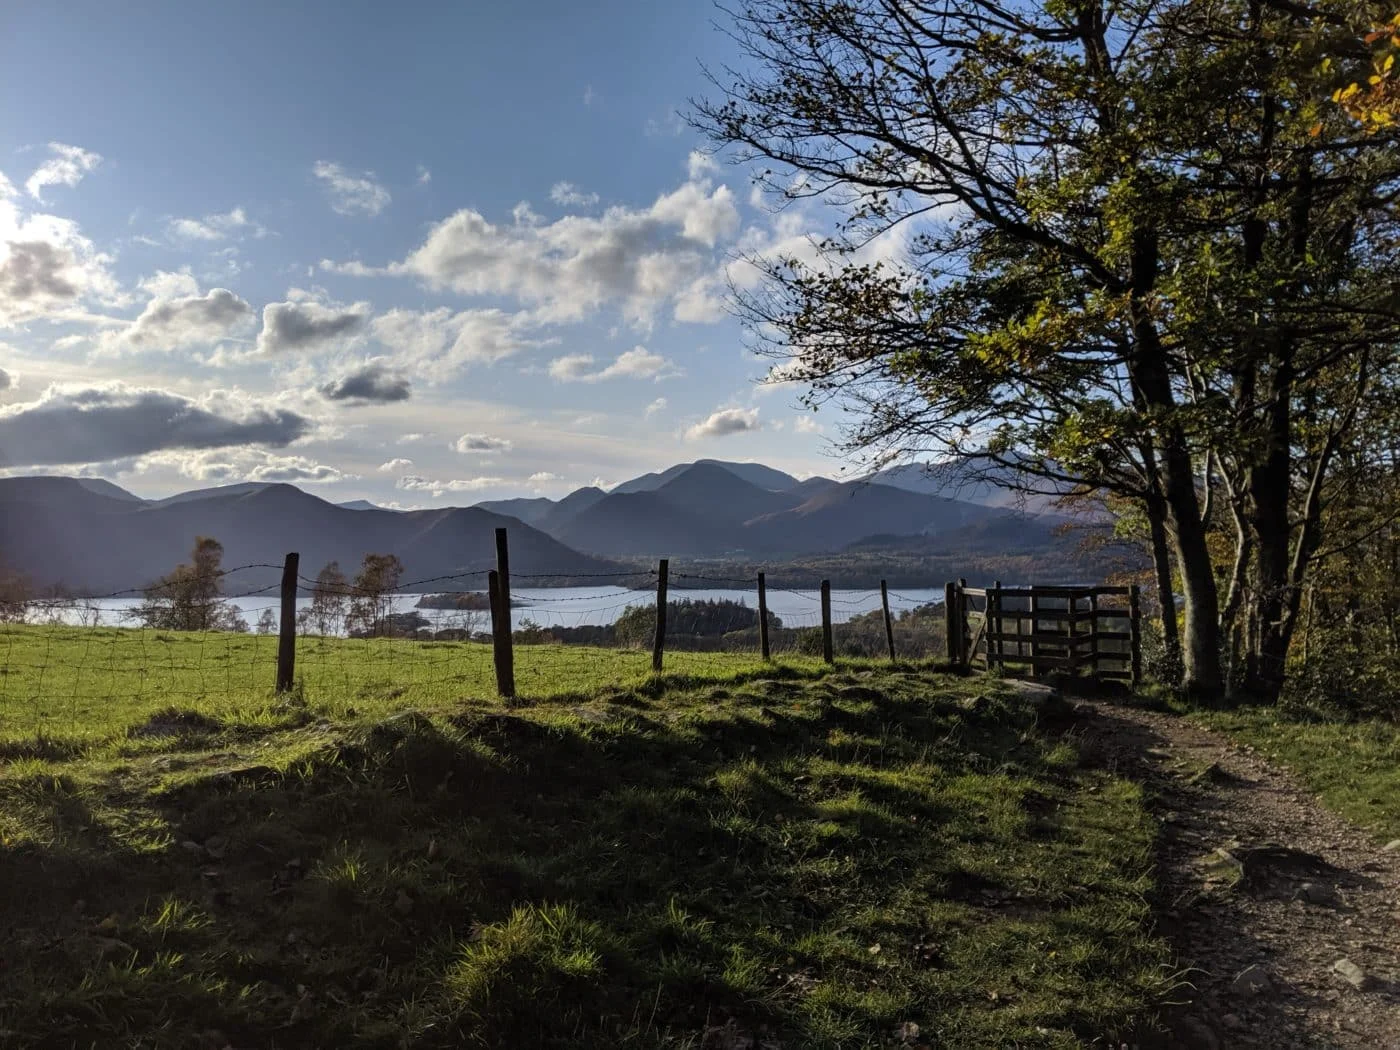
x=423, y=254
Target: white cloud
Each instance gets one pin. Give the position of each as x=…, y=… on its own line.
x=544, y=477
x=807, y=425
x=395, y=465
x=725, y=421
x=480, y=444
x=637, y=363
x=568, y=194
x=639, y=258
x=66, y=167
x=171, y=322
x=351, y=194
x=89, y=424
x=437, y=486
x=409, y=439
x=303, y=324
x=47, y=267
x=589, y=95
x=700, y=164
x=229, y=466
x=655, y=407
x=424, y=175
x=215, y=227
x=437, y=344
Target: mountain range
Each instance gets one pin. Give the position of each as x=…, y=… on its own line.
x=93, y=536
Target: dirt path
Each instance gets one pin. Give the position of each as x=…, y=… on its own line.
x=1256, y=872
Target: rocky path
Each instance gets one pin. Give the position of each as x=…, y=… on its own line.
x=1287, y=916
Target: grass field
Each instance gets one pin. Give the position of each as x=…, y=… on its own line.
x=798, y=860
x=1353, y=765
x=83, y=683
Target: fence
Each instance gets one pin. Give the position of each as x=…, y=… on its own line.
x=1047, y=629
x=67, y=673
x=76, y=679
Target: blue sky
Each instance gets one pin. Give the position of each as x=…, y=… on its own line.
x=420, y=253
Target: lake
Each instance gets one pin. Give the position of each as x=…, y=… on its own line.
x=558, y=606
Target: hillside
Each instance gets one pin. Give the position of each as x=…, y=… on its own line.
x=61, y=533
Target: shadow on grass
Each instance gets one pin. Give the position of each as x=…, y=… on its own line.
x=813, y=863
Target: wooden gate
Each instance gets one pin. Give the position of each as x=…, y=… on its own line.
x=1059, y=630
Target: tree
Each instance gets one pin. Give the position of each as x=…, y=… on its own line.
x=1082, y=244
x=1373, y=100
x=189, y=598
x=267, y=622
x=330, y=597
x=16, y=593
x=373, y=592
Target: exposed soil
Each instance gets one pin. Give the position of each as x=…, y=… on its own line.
x=1264, y=893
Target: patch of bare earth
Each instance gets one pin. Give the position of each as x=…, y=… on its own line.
x=1285, y=917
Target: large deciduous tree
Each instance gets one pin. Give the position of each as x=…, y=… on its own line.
x=1126, y=245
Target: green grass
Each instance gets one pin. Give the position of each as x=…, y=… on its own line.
x=1353, y=765
x=82, y=684
x=813, y=861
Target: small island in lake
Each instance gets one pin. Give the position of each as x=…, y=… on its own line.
x=468, y=600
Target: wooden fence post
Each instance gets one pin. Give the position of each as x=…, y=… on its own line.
x=951, y=630
x=826, y=621
x=501, y=650
x=504, y=638
x=287, y=629
x=658, y=643
x=889, y=625
x=964, y=629
x=1094, y=633
x=1135, y=632
x=997, y=624
x=763, y=616
x=1035, y=629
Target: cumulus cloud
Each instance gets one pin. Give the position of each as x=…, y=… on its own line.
x=656, y=406
x=74, y=424
x=544, y=477
x=372, y=383
x=437, y=486
x=807, y=425
x=639, y=258
x=725, y=421
x=568, y=194
x=637, y=363
x=306, y=325
x=184, y=320
x=215, y=227
x=47, y=266
x=437, y=344
x=395, y=465
x=351, y=194
x=66, y=166
x=480, y=444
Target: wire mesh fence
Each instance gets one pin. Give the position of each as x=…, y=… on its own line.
x=142, y=659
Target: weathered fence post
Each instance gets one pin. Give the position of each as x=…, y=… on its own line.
x=826, y=621
x=997, y=625
x=287, y=629
x=503, y=638
x=658, y=643
x=889, y=625
x=951, y=630
x=1135, y=632
x=763, y=616
x=964, y=629
x=500, y=635
x=1035, y=629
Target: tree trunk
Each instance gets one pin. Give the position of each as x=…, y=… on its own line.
x=1200, y=654
x=1166, y=596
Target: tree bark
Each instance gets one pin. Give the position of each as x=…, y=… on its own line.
x=1166, y=594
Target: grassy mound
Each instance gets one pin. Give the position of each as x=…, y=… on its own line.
x=858, y=860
